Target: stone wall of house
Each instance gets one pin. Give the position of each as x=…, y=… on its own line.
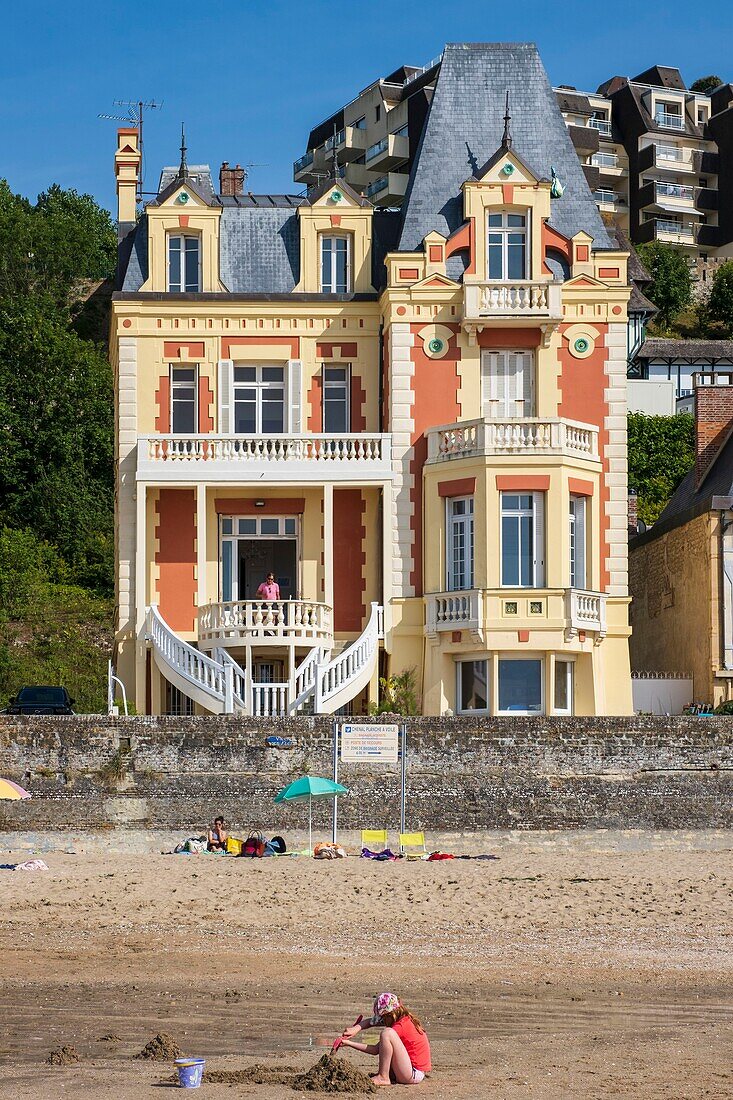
x=463, y=774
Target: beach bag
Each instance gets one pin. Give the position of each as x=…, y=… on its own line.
x=328, y=850
x=254, y=846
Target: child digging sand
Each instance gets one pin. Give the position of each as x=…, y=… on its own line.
x=403, y=1047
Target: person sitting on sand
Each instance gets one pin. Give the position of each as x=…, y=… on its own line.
x=216, y=840
x=403, y=1047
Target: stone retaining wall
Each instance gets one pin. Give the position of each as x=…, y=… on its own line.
x=464, y=774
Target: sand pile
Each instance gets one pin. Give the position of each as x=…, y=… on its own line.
x=161, y=1048
x=334, y=1075
x=67, y=1056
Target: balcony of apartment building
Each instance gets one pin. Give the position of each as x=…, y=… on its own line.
x=667, y=158
x=584, y=138
x=609, y=201
x=387, y=190
x=307, y=458
x=389, y=152
x=350, y=143
x=570, y=612
x=670, y=229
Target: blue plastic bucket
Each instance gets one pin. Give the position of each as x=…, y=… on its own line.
x=190, y=1072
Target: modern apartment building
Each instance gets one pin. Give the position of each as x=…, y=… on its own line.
x=415, y=420
x=657, y=157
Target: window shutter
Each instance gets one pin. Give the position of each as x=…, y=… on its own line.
x=499, y=374
x=539, y=539
x=226, y=401
x=294, y=398
x=580, y=577
x=486, y=384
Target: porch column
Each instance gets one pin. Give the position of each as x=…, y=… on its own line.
x=141, y=596
x=387, y=551
x=328, y=543
x=201, y=533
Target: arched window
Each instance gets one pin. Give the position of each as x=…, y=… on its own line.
x=506, y=249
x=184, y=263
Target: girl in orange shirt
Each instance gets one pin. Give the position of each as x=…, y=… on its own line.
x=403, y=1047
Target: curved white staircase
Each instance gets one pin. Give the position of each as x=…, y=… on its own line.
x=219, y=685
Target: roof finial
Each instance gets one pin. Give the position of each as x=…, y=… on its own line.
x=183, y=169
x=506, y=141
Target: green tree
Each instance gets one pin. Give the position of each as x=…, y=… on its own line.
x=706, y=84
x=671, y=285
x=720, y=302
x=661, y=453
x=397, y=694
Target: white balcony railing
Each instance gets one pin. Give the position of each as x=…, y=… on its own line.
x=512, y=437
x=674, y=191
x=275, y=457
x=512, y=299
x=586, y=611
x=670, y=120
x=452, y=611
x=268, y=621
x=601, y=124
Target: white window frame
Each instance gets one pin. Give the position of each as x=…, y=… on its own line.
x=460, y=709
x=261, y=386
x=230, y=533
x=578, y=535
x=569, y=684
x=327, y=287
x=505, y=230
x=175, y=386
x=181, y=287
x=537, y=513
x=332, y=384
x=513, y=656
x=508, y=383
x=459, y=526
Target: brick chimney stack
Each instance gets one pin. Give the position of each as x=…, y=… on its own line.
x=231, y=180
x=713, y=420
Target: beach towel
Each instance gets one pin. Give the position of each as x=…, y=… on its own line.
x=439, y=855
x=327, y=850
x=381, y=857
x=32, y=865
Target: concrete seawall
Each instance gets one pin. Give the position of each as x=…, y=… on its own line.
x=464, y=774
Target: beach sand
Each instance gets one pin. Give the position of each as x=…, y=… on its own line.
x=575, y=966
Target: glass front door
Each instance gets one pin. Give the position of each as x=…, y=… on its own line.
x=252, y=547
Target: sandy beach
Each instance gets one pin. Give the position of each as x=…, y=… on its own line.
x=574, y=966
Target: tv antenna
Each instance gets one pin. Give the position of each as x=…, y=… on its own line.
x=136, y=109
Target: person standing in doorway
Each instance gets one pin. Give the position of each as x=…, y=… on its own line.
x=269, y=589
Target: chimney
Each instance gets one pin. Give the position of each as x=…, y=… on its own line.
x=231, y=180
x=633, y=513
x=713, y=418
x=127, y=172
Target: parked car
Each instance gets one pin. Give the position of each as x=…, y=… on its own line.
x=39, y=699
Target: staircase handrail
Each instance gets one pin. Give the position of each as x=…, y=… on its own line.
x=344, y=668
x=189, y=662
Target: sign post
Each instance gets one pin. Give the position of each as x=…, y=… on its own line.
x=370, y=743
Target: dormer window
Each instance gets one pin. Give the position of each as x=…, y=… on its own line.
x=335, y=265
x=507, y=246
x=184, y=264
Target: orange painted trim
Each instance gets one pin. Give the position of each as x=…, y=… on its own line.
x=509, y=338
x=163, y=402
x=128, y=130
x=176, y=557
x=522, y=635
x=172, y=349
x=206, y=400
x=582, y=281
x=580, y=488
x=552, y=239
x=183, y=221
x=436, y=282
x=582, y=253
x=245, y=506
x=329, y=350
x=315, y=404
x=335, y=219
x=408, y=273
x=461, y=241
x=358, y=400
x=456, y=635
x=608, y=273
x=349, y=583
x=523, y=483
x=435, y=253
x=507, y=193
x=459, y=487
x=228, y=343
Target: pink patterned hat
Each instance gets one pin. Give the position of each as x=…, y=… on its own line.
x=386, y=1002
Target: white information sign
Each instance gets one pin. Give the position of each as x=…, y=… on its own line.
x=369, y=742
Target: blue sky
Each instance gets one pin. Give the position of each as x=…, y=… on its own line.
x=249, y=78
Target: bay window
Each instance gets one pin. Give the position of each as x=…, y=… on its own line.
x=335, y=265
x=522, y=540
x=520, y=685
x=506, y=246
x=184, y=263
x=459, y=544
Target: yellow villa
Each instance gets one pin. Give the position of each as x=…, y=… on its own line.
x=414, y=420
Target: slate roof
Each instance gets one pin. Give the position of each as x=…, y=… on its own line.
x=707, y=350
x=464, y=129
x=136, y=271
x=688, y=501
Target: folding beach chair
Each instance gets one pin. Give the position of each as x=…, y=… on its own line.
x=372, y=837
x=412, y=845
